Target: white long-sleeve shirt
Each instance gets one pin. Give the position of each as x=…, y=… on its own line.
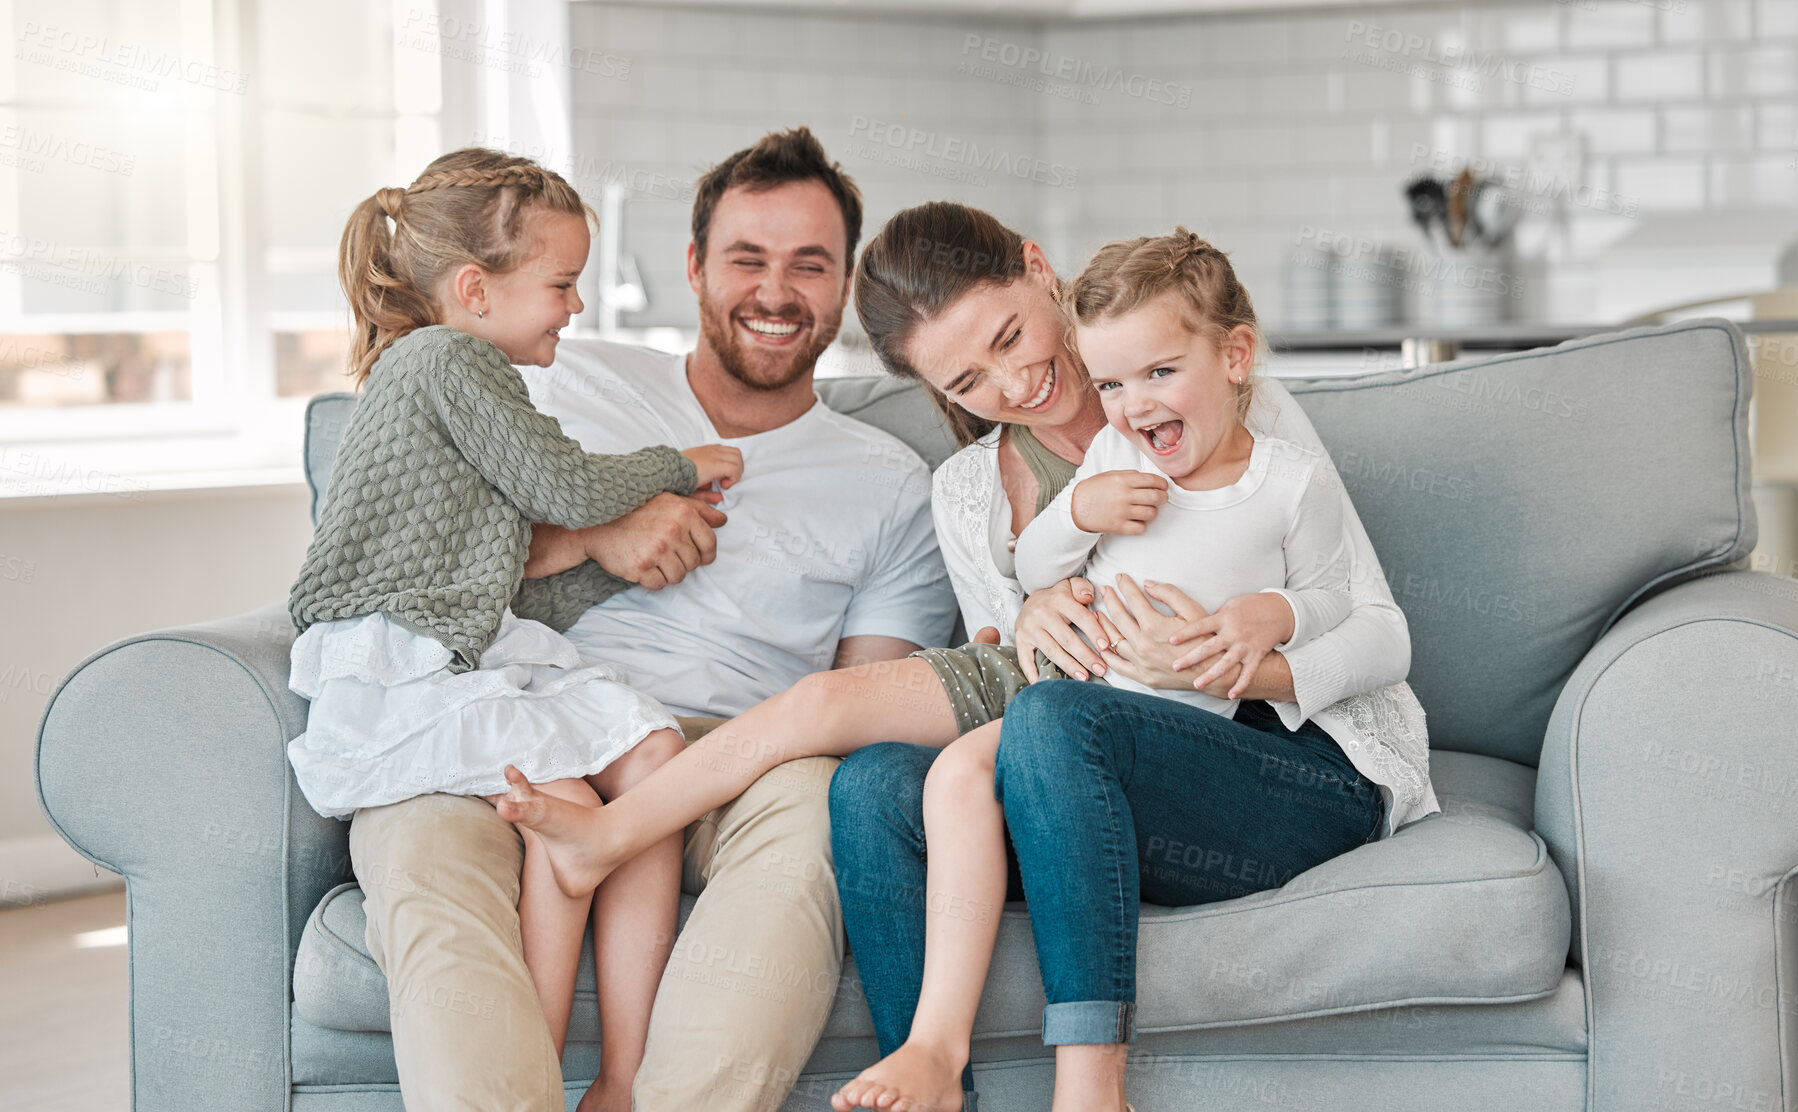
x=1349, y=679
x=1278, y=528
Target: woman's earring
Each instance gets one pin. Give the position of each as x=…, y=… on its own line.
x=482, y=315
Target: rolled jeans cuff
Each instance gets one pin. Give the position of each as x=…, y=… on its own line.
x=1082, y=1022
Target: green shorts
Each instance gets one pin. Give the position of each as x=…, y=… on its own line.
x=980, y=680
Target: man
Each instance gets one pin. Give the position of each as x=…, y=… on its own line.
x=827, y=559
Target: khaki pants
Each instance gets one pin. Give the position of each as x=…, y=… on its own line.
x=741, y=1004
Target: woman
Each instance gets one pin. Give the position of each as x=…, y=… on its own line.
x=949, y=295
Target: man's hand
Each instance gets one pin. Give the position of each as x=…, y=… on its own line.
x=1118, y=502
x=654, y=545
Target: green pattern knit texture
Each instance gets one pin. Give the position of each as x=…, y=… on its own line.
x=444, y=467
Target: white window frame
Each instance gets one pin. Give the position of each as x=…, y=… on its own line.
x=235, y=430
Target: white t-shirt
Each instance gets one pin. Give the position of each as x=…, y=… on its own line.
x=1277, y=528
x=829, y=537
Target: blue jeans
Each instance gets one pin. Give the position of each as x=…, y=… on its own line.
x=1111, y=799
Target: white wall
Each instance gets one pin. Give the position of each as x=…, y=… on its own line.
x=77, y=573
x=1293, y=119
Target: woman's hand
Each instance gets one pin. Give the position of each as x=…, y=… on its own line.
x=1048, y=623
x=1142, y=647
x=1140, y=633
x=1241, y=632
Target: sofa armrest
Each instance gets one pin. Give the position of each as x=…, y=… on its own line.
x=1668, y=795
x=163, y=757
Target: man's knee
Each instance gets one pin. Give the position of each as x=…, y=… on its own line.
x=439, y=848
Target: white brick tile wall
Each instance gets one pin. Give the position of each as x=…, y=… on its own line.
x=1237, y=43
x=1707, y=129
x=1610, y=23
x=1294, y=118
x=1289, y=92
x=1663, y=183
x=1367, y=90
x=1759, y=181
x=1335, y=144
x=1754, y=71
x=1195, y=199
x=1528, y=31
x=1776, y=127
x=1674, y=75
x=1776, y=17
x=1253, y=146
x=1317, y=38
x=1510, y=136
x=1553, y=82
x=1708, y=19
x=1165, y=148
x=1617, y=130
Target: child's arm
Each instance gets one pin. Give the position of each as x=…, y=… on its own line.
x=1317, y=561
x=559, y=600
x=1056, y=544
x=484, y=406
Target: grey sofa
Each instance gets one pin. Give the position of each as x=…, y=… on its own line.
x=1598, y=919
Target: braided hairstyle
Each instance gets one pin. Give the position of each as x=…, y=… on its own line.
x=469, y=206
x=1127, y=274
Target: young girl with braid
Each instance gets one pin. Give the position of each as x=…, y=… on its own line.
x=421, y=678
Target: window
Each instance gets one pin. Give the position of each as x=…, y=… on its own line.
x=174, y=179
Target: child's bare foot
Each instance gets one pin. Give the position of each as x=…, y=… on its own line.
x=918, y=1077
x=573, y=835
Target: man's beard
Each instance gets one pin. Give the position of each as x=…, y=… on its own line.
x=766, y=371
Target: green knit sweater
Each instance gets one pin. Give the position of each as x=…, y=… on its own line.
x=443, y=468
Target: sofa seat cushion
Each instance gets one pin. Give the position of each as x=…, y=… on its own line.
x=1464, y=907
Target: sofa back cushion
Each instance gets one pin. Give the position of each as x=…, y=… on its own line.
x=1519, y=504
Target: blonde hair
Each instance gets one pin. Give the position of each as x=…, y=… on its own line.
x=469, y=206
x=1127, y=274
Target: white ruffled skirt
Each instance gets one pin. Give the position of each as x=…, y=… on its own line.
x=389, y=721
